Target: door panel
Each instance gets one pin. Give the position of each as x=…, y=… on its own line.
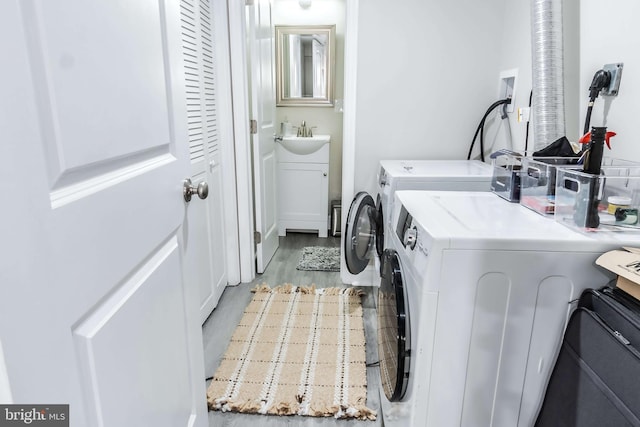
x=263, y=102
x=132, y=317
x=94, y=312
x=303, y=194
x=76, y=60
x=269, y=182
x=217, y=251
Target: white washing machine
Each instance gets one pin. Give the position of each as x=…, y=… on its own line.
x=474, y=297
x=368, y=220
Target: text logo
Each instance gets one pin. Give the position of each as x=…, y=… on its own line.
x=34, y=415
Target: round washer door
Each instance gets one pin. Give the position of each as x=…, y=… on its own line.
x=360, y=232
x=394, y=331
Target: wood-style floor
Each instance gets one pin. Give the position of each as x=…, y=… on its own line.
x=217, y=330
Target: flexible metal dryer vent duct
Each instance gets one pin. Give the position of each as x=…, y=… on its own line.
x=547, y=71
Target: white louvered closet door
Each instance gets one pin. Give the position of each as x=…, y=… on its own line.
x=205, y=256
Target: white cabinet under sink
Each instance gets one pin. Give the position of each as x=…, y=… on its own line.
x=303, y=184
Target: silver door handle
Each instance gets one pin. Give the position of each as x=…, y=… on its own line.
x=188, y=189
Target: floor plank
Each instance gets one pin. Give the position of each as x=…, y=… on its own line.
x=217, y=330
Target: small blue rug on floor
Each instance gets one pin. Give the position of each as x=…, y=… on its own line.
x=318, y=258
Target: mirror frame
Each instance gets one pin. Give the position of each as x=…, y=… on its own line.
x=281, y=31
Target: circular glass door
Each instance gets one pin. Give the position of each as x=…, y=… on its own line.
x=394, y=336
x=360, y=232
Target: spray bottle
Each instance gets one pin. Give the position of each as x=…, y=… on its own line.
x=588, y=208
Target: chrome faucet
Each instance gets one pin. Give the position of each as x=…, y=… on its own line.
x=304, y=131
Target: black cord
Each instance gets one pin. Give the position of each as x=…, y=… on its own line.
x=526, y=137
x=601, y=79
x=482, y=140
x=587, y=120
x=480, y=128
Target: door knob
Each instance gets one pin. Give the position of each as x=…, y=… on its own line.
x=188, y=189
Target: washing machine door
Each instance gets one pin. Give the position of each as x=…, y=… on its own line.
x=379, y=227
x=394, y=329
x=361, y=232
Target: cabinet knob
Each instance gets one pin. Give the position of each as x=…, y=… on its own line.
x=324, y=174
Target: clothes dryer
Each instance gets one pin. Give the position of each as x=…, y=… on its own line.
x=474, y=297
x=368, y=217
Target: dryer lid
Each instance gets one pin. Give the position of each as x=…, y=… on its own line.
x=361, y=232
x=394, y=329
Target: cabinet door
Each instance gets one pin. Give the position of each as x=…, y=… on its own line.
x=303, y=196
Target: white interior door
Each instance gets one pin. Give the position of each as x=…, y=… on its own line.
x=205, y=253
x=260, y=36
x=94, y=310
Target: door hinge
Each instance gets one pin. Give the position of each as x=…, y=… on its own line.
x=257, y=236
x=253, y=126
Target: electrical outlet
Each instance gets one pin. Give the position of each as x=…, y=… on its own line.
x=508, y=88
x=616, y=75
x=523, y=114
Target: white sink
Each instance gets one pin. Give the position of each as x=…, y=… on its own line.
x=304, y=145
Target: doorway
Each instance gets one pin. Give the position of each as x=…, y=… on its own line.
x=328, y=120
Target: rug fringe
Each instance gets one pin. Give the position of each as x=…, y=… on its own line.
x=343, y=291
x=288, y=288
x=264, y=288
x=285, y=408
x=317, y=409
x=311, y=290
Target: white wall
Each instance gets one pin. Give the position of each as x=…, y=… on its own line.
x=515, y=53
x=427, y=71
x=573, y=85
x=610, y=33
x=589, y=43
x=327, y=120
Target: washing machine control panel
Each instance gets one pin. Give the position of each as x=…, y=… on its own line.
x=403, y=223
x=418, y=252
x=410, y=237
x=382, y=177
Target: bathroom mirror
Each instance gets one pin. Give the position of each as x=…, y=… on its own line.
x=304, y=65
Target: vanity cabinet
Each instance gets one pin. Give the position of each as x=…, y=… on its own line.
x=303, y=191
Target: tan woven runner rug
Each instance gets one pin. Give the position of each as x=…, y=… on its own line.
x=297, y=350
